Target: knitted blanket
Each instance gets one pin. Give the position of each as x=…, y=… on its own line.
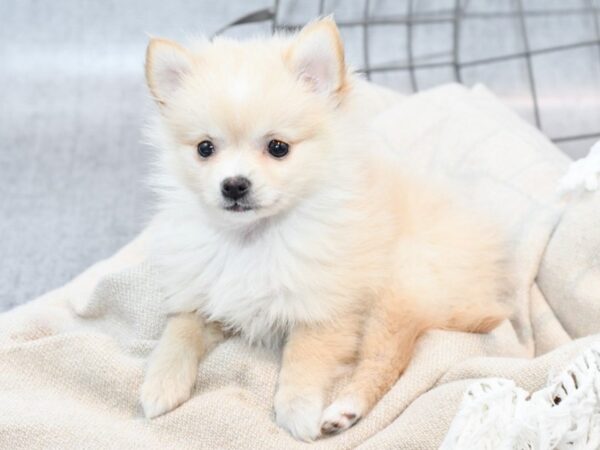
x=72, y=361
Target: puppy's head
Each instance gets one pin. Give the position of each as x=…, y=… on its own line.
x=249, y=126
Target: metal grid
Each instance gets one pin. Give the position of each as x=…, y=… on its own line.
x=541, y=56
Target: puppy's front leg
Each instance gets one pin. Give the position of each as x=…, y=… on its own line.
x=173, y=366
x=312, y=358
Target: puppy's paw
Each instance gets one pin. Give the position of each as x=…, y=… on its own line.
x=341, y=415
x=299, y=413
x=167, y=385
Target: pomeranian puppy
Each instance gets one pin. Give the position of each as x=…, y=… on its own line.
x=284, y=220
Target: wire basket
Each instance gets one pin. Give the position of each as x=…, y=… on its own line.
x=542, y=57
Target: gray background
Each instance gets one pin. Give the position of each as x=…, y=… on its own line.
x=73, y=102
x=72, y=161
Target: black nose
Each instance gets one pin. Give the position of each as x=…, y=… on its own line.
x=235, y=187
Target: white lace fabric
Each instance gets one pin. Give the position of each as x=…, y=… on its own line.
x=495, y=414
x=583, y=173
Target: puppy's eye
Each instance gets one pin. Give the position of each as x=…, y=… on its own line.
x=206, y=149
x=278, y=149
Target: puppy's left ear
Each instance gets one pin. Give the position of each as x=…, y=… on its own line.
x=316, y=56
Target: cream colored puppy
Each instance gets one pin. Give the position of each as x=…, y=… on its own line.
x=282, y=220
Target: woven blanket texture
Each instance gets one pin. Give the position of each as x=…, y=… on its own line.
x=72, y=361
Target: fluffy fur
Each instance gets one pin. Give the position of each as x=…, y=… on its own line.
x=343, y=259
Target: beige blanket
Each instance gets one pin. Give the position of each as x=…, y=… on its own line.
x=71, y=362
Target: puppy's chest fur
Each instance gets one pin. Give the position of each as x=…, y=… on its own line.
x=259, y=288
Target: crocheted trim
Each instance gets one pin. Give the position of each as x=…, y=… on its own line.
x=583, y=173
x=496, y=414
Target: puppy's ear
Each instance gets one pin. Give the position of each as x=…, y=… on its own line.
x=167, y=63
x=316, y=56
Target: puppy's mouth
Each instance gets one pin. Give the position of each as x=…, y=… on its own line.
x=239, y=207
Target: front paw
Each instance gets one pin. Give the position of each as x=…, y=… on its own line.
x=167, y=385
x=299, y=413
x=160, y=396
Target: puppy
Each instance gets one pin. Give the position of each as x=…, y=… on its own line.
x=283, y=220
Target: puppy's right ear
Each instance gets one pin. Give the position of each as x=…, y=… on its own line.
x=167, y=63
